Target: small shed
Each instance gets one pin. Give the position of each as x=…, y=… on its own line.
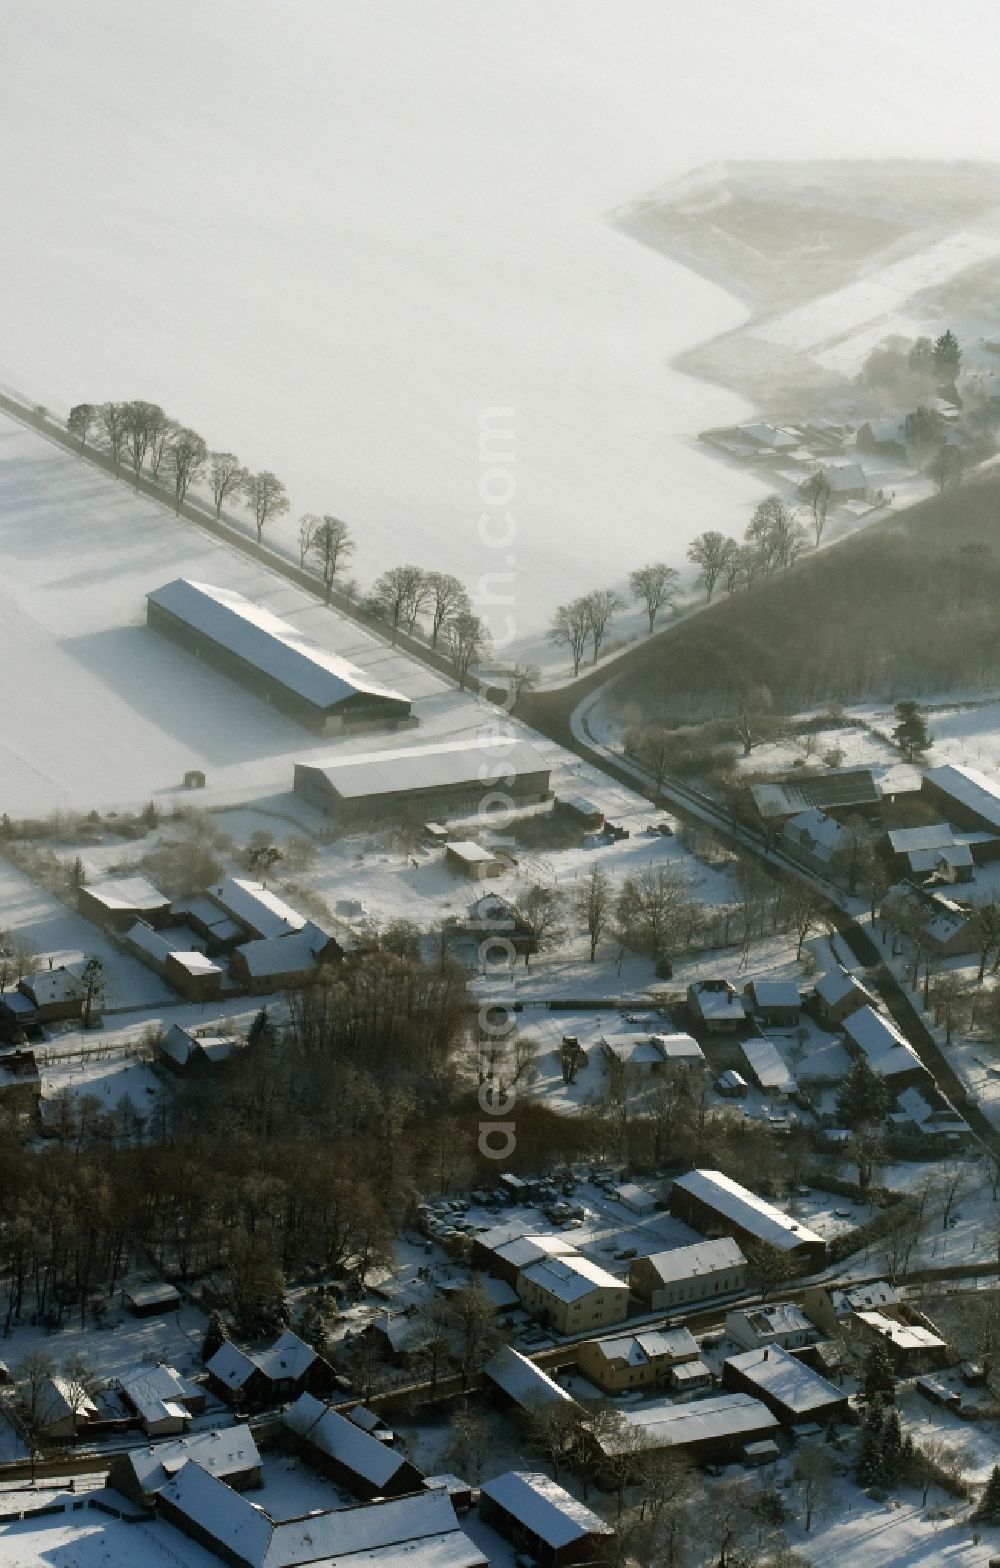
x=152, y=1301
x=637, y=1199
x=473, y=860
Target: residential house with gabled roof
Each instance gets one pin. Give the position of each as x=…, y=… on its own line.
x=815, y=840
x=258, y=1377
x=885, y=1048
x=618, y=1362
x=791, y=1390
x=346, y=1454
x=717, y=1006
x=772, y=1323
x=839, y=993
x=228, y=1453
x=189, y=1050
x=283, y=963
x=945, y=927
x=931, y=852
x=775, y=1003
x=571, y=1294
x=55, y=993
x=161, y=1399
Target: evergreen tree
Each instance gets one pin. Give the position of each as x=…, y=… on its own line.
x=878, y=1381
x=892, y=1450
x=262, y=1031
x=310, y=1325
x=910, y=734
x=77, y=874
x=215, y=1336
x=988, y=1511
x=863, y=1098
x=869, y=1466
x=947, y=356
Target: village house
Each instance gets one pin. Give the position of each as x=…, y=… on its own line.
x=55, y=994
x=570, y=1294
x=283, y=963
x=644, y=1359
x=189, y=1050
x=944, y=927
x=505, y=1251
x=885, y=1048
x=117, y=904
x=490, y=915
x=62, y=1408
x=775, y=1323
x=767, y=1067
x=160, y=1399
x=912, y=1347
x=708, y=1200
x=646, y=1054
x=791, y=1391
x=930, y=852
x=829, y=1306
x=347, y=1455
x=542, y=1519
x=229, y=1453
x=259, y=1377
x=776, y=1003
x=717, y=1006
x=838, y=994
x=684, y=1275
x=882, y=438
x=815, y=840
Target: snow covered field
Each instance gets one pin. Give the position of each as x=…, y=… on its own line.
x=358, y=226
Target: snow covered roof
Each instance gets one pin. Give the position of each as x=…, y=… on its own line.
x=970, y=788
x=704, y=1420
x=768, y=435
x=156, y=1392
x=157, y=1294
x=127, y=893
x=222, y=1451
x=434, y=765
x=886, y=1049
x=789, y=1381
x=571, y=1277
x=270, y=644
x=52, y=985
x=777, y=1317
x=289, y=1356
x=181, y=1044
x=768, y=1067
x=195, y=962
x=59, y=1400
x=633, y=1050
x=231, y=1365
x=815, y=831
x=545, y=1509
x=862, y=1298
x=284, y=955
x=473, y=854
x=905, y=1336
x=775, y=993
x=256, y=907
x=954, y=857
x=937, y=836
x=646, y=1345
x=837, y=983
x=148, y=941
x=703, y=1257
x=333, y=1434
x=844, y=476
x=522, y=1380
x=682, y=1048
x=717, y=999
x=744, y=1208
x=522, y=1251
x=833, y=787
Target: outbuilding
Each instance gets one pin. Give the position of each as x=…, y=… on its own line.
x=543, y=1519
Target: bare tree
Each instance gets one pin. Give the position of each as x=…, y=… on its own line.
x=446, y=597
x=397, y=595
x=467, y=642
x=265, y=497
x=163, y=433
x=227, y=477
x=331, y=544
x=950, y=998
x=35, y=1401
x=806, y=907
x=710, y=552
x=817, y=491
x=813, y=1474
x=571, y=626
x=82, y=418
x=519, y=678
x=142, y=420
x=111, y=419
x=655, y=585
x=654, y=749
x=308, y=524
x=593, y=906
x=601, y=606
x=540, y=910
x=654, y=908
x=187, y=461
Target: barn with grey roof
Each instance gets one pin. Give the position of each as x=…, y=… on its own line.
x=273, y=659
x=442, y=779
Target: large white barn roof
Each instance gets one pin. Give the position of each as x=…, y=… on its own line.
x=970, y=788
x=754, y=1215
x=268, y=643
x=437, y=765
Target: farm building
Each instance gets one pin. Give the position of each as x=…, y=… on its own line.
x=885, y=1048
x=641, y=1360
x=912, y=1347
x=503, y=1252
x=421, y=1528
x=289, y=1368
x=851, y=790
x=838, y=994
x=789, y=1389
x=543, y=1520
x=717, y=1428
x=701, y=1272
x=643, y=1054
x=272, y=659
x=964, y=796
x=814, y=839
x=185, y=1050
x=229, y=1453
x=118, y=904
x=473, y=860
x=448, y=778
x=187, y=969
x=282, y=963
x=570, y=1294
x=517, y=1382
x=708, y=1200
x=151, y=1301
x=347, y=1455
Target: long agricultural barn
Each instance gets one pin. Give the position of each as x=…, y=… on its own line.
x=449, y=778
x=267, y=655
